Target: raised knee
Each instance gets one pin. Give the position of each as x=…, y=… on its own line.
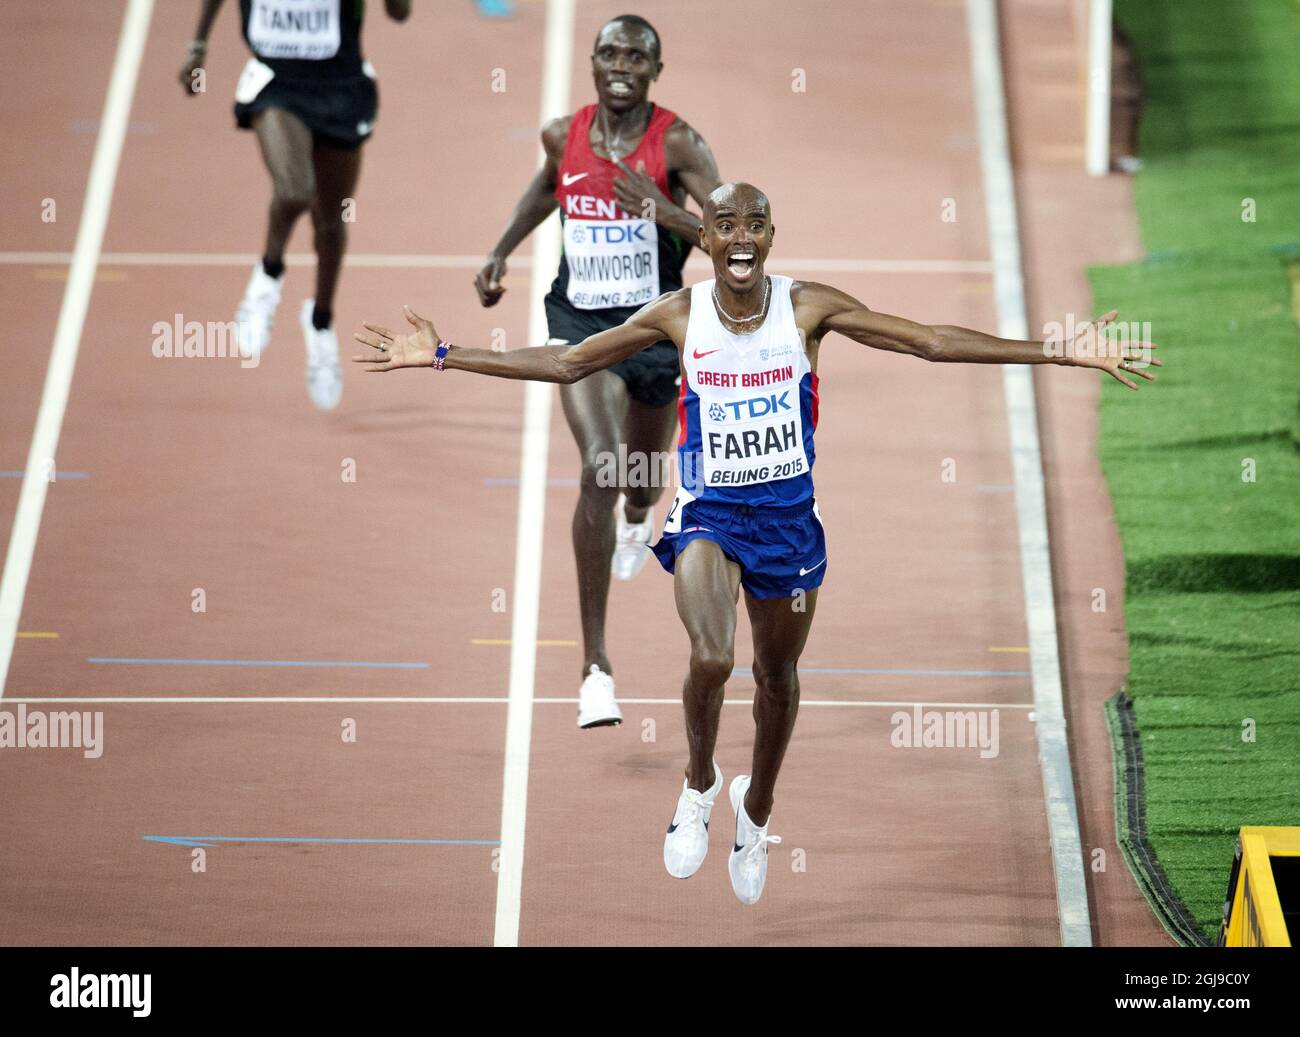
x=643, y=496
x=328, y=226
x=779, y=684
x=296, y=196
x=599, y=474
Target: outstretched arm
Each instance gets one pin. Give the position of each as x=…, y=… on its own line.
x=565, y=364
x=834, y=310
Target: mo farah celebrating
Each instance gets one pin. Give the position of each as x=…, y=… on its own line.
x=745, y=515
x=626, y=237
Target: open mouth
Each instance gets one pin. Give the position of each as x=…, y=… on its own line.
x=618, y=88
x=740, y=264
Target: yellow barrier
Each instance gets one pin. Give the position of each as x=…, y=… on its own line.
x=1252, y=915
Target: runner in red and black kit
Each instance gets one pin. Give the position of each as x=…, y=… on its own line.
x=311, y=99
x=620, y=171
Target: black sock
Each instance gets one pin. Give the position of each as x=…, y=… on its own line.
x=272, y=269
x=321, y=319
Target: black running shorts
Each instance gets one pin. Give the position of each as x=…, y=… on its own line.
x=652, y=375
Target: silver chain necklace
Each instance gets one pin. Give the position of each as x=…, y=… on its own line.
x=762, y=311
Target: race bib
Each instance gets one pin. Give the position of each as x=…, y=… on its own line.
x=252, y=81
x=673, y=522
x=301, y=29
x=752, y=436
x=611, y=262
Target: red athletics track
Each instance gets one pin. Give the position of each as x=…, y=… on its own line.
x=200, y=474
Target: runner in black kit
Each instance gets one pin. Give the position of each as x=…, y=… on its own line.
x=311, y=99
x=620, y=170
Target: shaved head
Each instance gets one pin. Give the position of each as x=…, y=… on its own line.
x=737, y=232
x=741, y=199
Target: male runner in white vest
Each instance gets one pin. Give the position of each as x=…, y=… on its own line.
x=745, y=515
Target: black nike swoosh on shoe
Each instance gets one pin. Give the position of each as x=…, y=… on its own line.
x=672, y=829
x=738, y=849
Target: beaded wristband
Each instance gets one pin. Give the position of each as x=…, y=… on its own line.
x=440, y=355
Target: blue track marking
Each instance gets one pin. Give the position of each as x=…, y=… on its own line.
x=208, y=840
x=259, y=662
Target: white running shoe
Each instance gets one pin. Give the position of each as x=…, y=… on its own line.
x=256, y=312
x=596, y=705
x=324, y=379
x=687, y=841
x=632, y=546
x=748, y=862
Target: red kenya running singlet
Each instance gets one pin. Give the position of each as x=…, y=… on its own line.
x=612, y=258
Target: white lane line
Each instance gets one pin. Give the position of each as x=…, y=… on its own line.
x=558, y=49
x=461, y=700
x=72, y=318
x=1031, y=514
x=418, y=261
x=261, y=700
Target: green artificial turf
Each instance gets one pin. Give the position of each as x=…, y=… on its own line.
x=1221, y=125
x=1213, y=584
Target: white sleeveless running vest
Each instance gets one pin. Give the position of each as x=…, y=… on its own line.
x=747, y=408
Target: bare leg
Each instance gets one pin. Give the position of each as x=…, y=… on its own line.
x=337, y=171
x=780, y=633
x=648, y=432
x=287, y=151
x=595, y=408
x=705, y=585
x=602, y=416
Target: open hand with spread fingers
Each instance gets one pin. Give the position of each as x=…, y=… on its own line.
x=1117, y=357
x=393, y=351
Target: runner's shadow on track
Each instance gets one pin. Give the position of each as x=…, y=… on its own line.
x=648, y=762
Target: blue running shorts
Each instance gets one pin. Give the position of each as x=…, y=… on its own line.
x=780, y=550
